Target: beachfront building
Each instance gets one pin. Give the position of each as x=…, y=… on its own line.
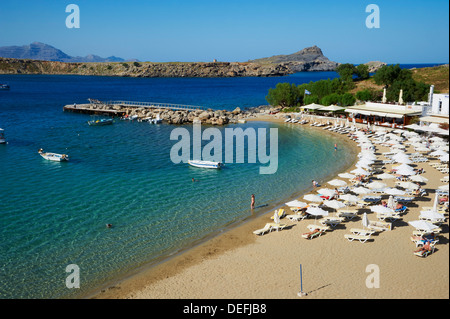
x=437, y=110
x=389, y=115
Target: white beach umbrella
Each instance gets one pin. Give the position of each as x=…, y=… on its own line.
x=376, y=185
x=296, y=203
x=276, y=217
x=334, y=204
x=404, y=166
x=405, y=172
x=443, y=188
x=393, y=191
x=337, y=182
x=438, y=153
x=422, y=149
x=435, y=203
x=381, y=209
x=326, y=192
x=346, y=175
x=313, y=198
x=419, y=179
x=408, y=185
x=391, y=202
x=361, y=190
x=360, y=171
x=349, y=198
x=436, y=138
x=433, y=215
x=444, y=158
x=365, y=220
x=385, y=176
x=316, y=211
x=422, y=225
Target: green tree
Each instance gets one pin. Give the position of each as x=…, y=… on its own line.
x=365, y=95
x=362, y=72
x=333, y=98
x=310, y=99
x=284, y=95
x=347, y=99
x=346, y=72
x=387, y=74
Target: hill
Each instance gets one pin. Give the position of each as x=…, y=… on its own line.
x=308, y=59
x=45, y=52
x=438, y=76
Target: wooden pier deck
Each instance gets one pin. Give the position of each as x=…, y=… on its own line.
x=119, y=108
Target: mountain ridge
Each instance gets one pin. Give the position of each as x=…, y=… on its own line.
x=44, y=52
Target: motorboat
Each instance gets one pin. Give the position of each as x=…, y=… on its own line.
x=101, y=122
x=4, y=87
x=53, y=156
x=2, y=136
x=205, y=164
x=156, y=121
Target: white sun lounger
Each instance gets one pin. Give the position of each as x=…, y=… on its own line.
x=263, y=230
x=360, y=238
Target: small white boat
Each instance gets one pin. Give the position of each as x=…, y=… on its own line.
x=2, y=136
x=53, y=156
x=205, y=164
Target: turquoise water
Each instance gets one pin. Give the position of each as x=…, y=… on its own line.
x=54, y=214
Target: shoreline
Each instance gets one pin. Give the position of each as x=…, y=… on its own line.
x=233, y=236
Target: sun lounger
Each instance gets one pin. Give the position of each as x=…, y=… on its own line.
x=314, y=233
x=388, y=216
x=263, y=230
x=277, y=227
x=311, y=227
x=360, y=238
x=379, y=226
x=363, y=232
x=296, y=217
x=425, y=253
x=348, y=214
x=332, y=221
x=280, y=213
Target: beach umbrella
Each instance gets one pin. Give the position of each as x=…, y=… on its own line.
x=408, y=185
x=349, y=198
x=337, y=182
x=296, y=203
x=404, y=166
x=405, y=172
x=438, y=153
x=393, y=191
x=422, y=225
x=435, y=203
x=326, y=192
x=361, y=190
x=391, y=202
x=362, y=165
x=381, y=209
x=359, y=171
x=313, y=198
x=385, y=176
x=423, y=149
x=276, y=217
x=316, y=211
x=365, y=220
x=443, y=188
x=444, y=158
x=433, y=215
x=376, y=185
x=346, y=175
x=436, y=138
x=334, y=204
x=419, y=179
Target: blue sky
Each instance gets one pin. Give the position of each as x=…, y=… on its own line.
x=196, y=30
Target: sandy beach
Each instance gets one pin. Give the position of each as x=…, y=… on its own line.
x=240, y=265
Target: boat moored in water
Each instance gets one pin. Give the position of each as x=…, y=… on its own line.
x=4, y=87
x=53, y=156
x=101, y=122
x=205, y=164
x=2, y=136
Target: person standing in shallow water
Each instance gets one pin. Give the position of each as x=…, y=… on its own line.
x=252, y=205
x=335, y=147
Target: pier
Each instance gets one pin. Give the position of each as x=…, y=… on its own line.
x=120, y=108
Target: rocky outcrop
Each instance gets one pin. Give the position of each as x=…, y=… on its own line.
x=143, y=69
x=308, y=59
x=375, y=65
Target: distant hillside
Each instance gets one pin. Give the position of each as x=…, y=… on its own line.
x=438, y=76
x=308, y=59
x=45, y=52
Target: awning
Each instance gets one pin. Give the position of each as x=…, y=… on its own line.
x=434, y=119
x=375, y=113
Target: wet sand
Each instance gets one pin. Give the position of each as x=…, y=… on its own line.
x=240, y=265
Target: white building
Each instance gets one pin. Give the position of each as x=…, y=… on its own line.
x=437, y=110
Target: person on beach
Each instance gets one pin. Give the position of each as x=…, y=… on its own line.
x=315, y=184
x=252, y=205
x=335, y=147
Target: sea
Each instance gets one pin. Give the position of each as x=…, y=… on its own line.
x=53, y=215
